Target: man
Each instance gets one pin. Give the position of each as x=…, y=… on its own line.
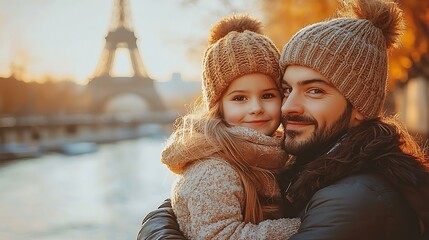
x=357, y=175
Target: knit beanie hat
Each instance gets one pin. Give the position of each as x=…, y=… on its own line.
x=351, y=51
x=236, y=48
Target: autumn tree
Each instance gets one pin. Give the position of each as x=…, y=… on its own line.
x=412, y=59
x=283, y=18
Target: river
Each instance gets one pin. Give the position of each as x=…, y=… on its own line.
x=102, y=195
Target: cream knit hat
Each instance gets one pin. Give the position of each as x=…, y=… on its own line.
x=351, y=51
x=237, y=48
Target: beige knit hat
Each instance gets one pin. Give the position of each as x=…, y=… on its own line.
x=236, y=48
x=351, y=51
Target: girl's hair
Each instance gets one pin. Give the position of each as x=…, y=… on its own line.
x=209, y=121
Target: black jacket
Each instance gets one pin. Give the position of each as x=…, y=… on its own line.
x=160, y=224
x=361, y=207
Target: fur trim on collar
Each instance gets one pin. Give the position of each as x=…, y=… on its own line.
x=374, y=146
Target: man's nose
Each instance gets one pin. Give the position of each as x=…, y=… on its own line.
x=292, y=105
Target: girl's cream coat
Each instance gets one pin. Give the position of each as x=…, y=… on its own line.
x=208, y=198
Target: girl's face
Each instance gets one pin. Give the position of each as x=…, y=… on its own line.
x=253, y=101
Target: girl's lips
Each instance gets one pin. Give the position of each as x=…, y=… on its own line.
x=258, y=122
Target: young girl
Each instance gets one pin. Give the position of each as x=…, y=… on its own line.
x=227, y=151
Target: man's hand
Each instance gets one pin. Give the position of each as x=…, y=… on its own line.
x=160, y=224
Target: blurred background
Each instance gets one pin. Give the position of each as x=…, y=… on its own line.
x=89, y=90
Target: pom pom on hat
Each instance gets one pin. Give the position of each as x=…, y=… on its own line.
x=385, y=15
x=237, y=23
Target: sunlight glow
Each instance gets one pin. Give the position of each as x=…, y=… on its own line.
x=126, y=103
x=416, y=97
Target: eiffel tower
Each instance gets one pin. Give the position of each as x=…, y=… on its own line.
x=103, y=86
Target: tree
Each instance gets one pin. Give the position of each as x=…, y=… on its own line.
x=283, y=18
x=412, y=58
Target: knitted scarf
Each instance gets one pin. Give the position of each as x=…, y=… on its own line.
x=259, y=151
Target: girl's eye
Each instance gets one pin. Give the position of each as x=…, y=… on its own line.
x=268, y=96
x=239, y=98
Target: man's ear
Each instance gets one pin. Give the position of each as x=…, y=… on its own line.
x=356, y=118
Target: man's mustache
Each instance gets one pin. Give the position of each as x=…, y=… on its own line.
x=299, y=118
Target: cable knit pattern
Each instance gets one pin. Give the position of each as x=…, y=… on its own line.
x=208, y=198
x=351, y=51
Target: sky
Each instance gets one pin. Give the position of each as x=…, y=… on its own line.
x=65, y=38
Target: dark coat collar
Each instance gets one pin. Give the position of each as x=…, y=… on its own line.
x=372, y=147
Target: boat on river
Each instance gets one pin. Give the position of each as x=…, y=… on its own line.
x=11, y=151
x=77, y=148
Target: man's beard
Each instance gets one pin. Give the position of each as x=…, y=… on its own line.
x=321, y=139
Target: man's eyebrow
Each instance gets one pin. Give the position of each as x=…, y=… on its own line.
x=310, y=81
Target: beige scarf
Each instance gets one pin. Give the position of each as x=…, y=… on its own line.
x=259, y=151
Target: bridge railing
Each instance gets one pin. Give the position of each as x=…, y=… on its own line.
x=164, y=117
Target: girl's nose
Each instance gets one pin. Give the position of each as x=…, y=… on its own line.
x=256, y=107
